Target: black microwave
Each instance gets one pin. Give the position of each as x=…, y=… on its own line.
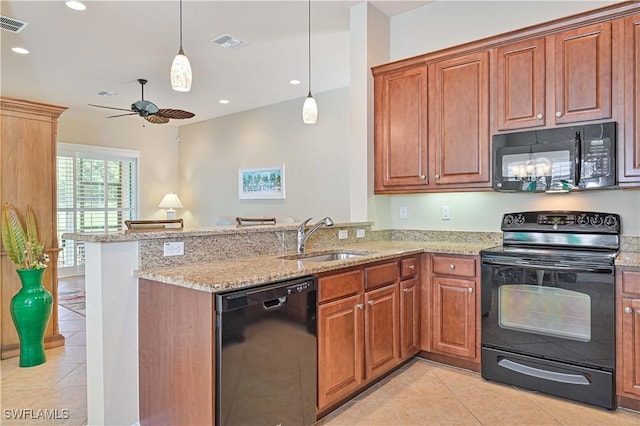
x=559, y=159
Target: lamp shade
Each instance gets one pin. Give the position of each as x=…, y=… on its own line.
x=170, y=201
x=309, y=110
x=181, y=73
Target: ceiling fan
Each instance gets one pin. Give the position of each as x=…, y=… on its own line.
x=149, y=111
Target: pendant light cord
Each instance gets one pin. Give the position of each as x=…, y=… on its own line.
x=309, y=47
x=180, y=24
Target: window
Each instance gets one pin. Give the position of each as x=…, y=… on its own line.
x=97, y=192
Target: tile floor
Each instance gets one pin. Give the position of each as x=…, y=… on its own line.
x=426, y=393
x=54, y=393
x=420, y=393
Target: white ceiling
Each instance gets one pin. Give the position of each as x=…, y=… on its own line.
x=74, y=55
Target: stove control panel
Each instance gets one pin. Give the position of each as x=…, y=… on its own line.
x=562, y=221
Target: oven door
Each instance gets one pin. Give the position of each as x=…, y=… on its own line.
x=550, y=328
x=556, y=312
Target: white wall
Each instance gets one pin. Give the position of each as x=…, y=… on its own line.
x=316, y=159
x=444, y=24
x=158, y=166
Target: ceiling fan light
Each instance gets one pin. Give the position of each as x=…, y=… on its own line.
x=181, y=73
x=310, y=110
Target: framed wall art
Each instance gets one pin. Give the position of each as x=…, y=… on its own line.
x=264, y=183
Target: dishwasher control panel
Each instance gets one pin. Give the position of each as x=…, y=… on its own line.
x=301, y=287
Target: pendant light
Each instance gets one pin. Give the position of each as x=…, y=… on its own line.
x=310, y=108
x=181, y=68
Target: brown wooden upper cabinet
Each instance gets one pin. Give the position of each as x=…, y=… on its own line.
x=432, y=126
x=401, y=128
x=554, y=80
x=459, y=121
x=629, y=166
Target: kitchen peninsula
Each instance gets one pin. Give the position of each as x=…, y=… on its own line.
x=217, y=259
x=214, y=259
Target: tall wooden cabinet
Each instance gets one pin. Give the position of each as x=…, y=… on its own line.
x=28, y=176
x=628, y=337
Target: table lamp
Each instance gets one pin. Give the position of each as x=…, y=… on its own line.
x=170, y=202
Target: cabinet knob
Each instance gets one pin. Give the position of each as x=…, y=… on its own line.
x=406, y=290
x=423, y=177
x=437, y=176
x=371, y=302
x=470, y=290
x=452, y=266
x=360, y=305
x=539, y=116
x=628, y=310
x=412, y=267
x=558, y=114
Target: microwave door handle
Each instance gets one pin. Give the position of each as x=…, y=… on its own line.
x=578, y=160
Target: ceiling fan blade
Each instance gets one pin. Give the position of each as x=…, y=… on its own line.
x=156, y=120
x=174, y=113
x=102, y=106
x=122, y=115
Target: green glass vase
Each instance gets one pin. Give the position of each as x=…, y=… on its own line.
x=30, y=310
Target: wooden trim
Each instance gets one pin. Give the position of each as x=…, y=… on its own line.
x=153, y=225
x=13, y=350
x=451, y=361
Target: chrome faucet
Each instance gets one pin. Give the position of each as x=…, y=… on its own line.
x=303, y=236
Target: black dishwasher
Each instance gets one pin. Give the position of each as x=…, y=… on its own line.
x=266, y=354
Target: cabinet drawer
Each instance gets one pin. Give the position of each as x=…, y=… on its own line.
x=631, y=282
x=377, y=276
x=456, y=266
x=408, y=267
x=339, y=285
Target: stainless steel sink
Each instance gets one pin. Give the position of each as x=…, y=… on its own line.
x=326, y=257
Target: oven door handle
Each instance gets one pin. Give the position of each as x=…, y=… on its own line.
x=573, y=379
x=551, y=267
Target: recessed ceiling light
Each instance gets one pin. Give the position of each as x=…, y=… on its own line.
x=294, y=82
x=224, y=101
x=75, y=5
x=20, y=50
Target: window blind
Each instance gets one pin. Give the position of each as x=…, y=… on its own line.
x=97, y=192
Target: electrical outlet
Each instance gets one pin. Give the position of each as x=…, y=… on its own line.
x=174, y=249
x=359, y=233
x=343, y=233
x=446, y=213
x=403, y=212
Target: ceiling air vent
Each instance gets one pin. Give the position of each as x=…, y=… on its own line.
x=228, y=42
x=10, y=24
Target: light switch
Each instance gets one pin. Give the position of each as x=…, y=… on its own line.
x=403, y=212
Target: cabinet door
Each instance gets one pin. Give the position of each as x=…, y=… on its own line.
x=381, y=330
x=583, y=74
x=630, y=165
x=459, y=120
x=340, y=351
x=401, y=128
x=520, y=74
x=409, y=318
x=631, y=345
x=454, y=317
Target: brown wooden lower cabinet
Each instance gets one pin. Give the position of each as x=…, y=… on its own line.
x=340, y=348
x=453, y=322
x=381, y=337
x=360, y=333
x=176, y=355
x=628, y=337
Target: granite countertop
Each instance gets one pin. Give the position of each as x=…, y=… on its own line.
x=238, y=273
x=628, y=258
